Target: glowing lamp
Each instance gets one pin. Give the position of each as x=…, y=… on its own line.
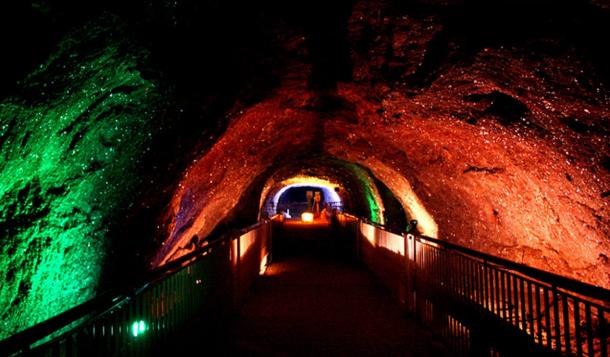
x=307, y=217
x=138, y=328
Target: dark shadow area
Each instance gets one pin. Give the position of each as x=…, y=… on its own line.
x=540, y=25
x=394, y=215
x=318, y=241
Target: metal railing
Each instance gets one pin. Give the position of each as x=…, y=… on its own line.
x=484, y=305
x=137, y=323
x=479, y=304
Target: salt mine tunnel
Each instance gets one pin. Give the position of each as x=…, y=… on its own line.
x=458, y=151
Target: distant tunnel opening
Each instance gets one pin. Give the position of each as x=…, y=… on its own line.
x=496, y=141
x=341, y=186
x=206, y=208
x=296, y=199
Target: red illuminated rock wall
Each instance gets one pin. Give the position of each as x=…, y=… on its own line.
x=505, y=145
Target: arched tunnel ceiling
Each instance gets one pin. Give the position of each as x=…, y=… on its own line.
x=124, y=121
x=194, y=211
x=358, y=190
x=489, y=186
x=273, y=194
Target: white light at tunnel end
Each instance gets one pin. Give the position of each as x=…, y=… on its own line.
x=307, y=217
x=327, y=187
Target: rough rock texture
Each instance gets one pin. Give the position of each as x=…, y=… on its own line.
x=492, y=135
x=213, y=190
x=506, y=147
x=71, y=144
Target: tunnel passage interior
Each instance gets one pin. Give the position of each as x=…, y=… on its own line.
x=316, y=298
x=299, y=198
x=127, y=129
x=351, y=185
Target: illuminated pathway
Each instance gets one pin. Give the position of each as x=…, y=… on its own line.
x=318, y=297
x=317, y=307
x=312, y=301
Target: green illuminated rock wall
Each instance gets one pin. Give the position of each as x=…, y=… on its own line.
x=70, y=145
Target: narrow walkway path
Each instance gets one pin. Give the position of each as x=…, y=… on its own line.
x=315, y=301
x=316, y=307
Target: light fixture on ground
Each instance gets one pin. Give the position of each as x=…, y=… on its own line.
x=138, y=328
x=307, y=217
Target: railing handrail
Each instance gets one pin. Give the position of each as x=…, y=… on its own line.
x=45, y=328
x=554, y=280
x=98, y=305
x=253, y=226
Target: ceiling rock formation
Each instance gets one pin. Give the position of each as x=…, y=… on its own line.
x=496, y=188
x=127, y=140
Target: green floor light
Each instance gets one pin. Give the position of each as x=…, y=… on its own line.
x=138, y=328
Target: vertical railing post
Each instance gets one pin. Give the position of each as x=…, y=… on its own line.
x=406, y=289
x=234, y=248
x=566, y=324
x=589, y=329
x=269, y=242
x=413, y=274
x=556, y=324
x=238, y=264
x=539, y=315
x=601, y=318
x=449, y=279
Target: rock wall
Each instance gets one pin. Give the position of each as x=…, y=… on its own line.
x=71, y=144
x=503, y=143
x=141, y=130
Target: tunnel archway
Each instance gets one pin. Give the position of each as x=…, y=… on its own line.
x=350, y=184
x=439, y=170
x=282, y=200
x=360, y=192
x=502, y=139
